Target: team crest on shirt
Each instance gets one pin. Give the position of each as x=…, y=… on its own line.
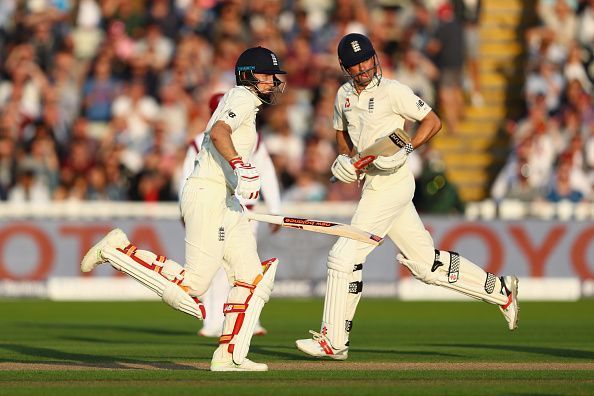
x=371, y=105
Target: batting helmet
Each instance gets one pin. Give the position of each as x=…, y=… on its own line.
x=354, y=48
x=263, y=61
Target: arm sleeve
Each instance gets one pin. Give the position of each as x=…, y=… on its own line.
x=190, y=161
x=407, y=104
x=339, y=120
x=236, y=109
x=270, y=188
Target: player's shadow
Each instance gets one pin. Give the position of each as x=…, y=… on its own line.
x=556, y=352
x=273, y=350
x=53, y=356
x=157, y=331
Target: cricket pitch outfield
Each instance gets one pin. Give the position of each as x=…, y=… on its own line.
x=146, y=348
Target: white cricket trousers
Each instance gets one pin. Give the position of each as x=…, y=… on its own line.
x=386, y=208
x=217, y=234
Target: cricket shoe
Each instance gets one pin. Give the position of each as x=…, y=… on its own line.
x=210, y=332
x=223, y=361
x=259, y=330
x=511, y=309
x=319, y=346
x=115, y=238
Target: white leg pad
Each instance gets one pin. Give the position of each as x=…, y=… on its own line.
x=166, y=279
x=354, y=296
x=454, y=272
x=335, y=307
x=241, y=318
x=260, y=296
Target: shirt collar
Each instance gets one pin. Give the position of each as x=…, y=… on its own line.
x=255, y=97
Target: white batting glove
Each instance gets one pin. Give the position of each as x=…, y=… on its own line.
x=248, y=179
x=343, y=169
x=393, y=162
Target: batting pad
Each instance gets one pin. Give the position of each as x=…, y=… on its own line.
x=335, y=307
x=260, y=296
x=241, y=317
x=164, y=277
x=455, y=272
x=354, y=296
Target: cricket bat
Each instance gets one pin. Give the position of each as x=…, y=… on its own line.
x=320, y=226
x=387, y=145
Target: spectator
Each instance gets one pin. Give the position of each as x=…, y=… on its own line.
x=561, y=188
x=28, y=188
x=445, y=48
x=305, y=189
x=99, y=92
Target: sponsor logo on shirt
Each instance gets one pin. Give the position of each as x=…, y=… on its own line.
x=347, y=103
x=231, y=114
x=420, y=104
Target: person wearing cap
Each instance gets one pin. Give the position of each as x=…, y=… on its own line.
x=216, y=296
x=218, y=234
x=369, y=107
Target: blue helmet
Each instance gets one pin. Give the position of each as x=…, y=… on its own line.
x=263, y=61
x=354, y=48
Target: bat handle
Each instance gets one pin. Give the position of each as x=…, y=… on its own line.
x=358, y=164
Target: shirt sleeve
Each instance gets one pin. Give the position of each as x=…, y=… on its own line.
x=407, y=104
x=237, y=107
x=339, y=120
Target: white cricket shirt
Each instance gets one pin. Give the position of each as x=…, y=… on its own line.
x=376, y=111
x=238, y=109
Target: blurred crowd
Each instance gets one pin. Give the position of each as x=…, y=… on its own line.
x=552, y=156
x=98, y=98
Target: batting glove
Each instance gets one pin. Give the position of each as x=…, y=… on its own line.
x=248, y=179
x=393, y=162
x=343, y=169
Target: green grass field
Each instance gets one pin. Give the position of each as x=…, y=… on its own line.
x=145, y=348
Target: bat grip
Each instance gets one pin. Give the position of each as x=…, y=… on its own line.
x=358, y=164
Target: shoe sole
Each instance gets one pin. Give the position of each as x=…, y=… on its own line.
x=332, y=357
x=514, y=291
x=234, y=369
x=91, y=254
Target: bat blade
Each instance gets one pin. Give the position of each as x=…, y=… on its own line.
x=319, y=226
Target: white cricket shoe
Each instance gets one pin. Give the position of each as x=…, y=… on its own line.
x=210, y=332
x=259, y=330
x=511, y=310
x=223, y=361
x=320, y=346
x=115, y=238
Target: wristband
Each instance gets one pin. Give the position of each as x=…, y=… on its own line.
x=409, y=148
x=234, y=162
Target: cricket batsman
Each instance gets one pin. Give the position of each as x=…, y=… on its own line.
x=217, y=232
x=216, y=295
x=366, y=108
